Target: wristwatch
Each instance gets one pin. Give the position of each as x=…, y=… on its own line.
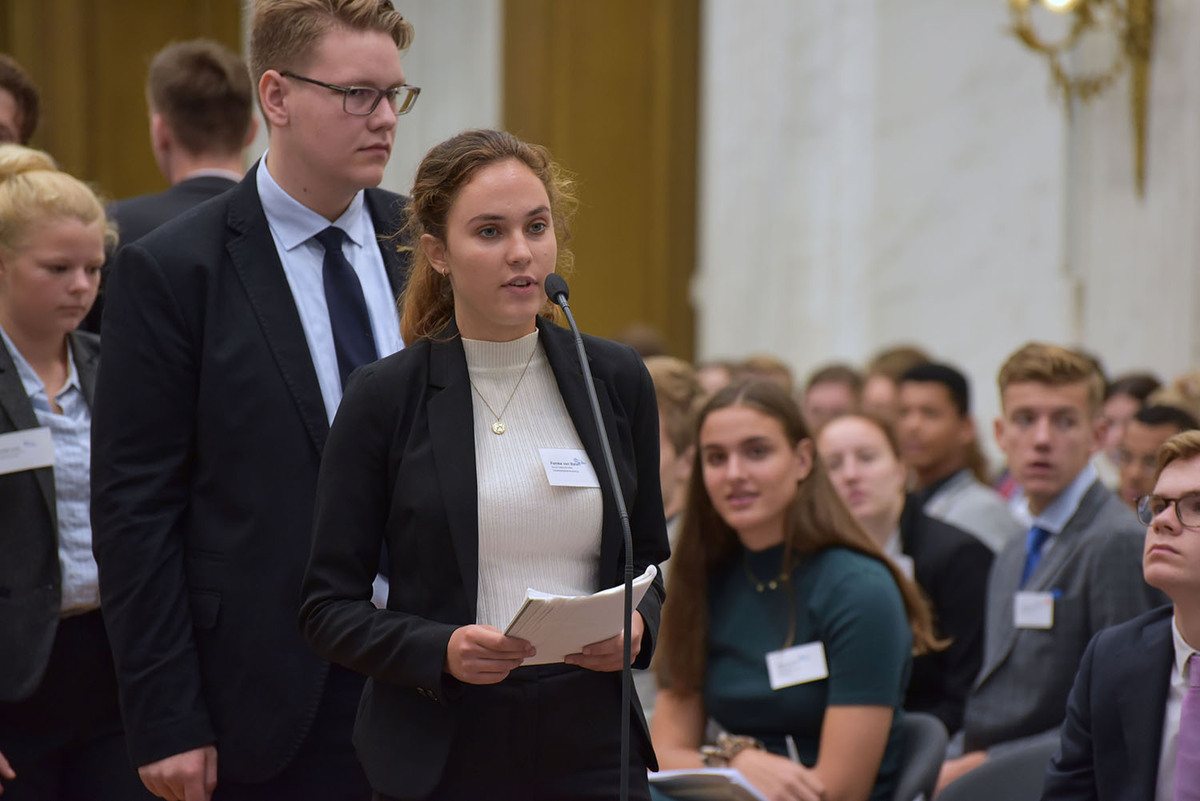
x=727, y=747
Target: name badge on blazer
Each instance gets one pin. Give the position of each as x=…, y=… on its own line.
x=28, y=449
x=568, y=467
x=799, y=664
x=1033, y=610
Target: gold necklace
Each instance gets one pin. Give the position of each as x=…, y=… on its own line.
x=498, y=426
x=772, y=583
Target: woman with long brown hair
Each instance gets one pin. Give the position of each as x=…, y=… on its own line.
x=435, y=452
x=784, y=622
x=948, y=564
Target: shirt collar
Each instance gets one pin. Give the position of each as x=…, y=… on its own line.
x=30, y=380
x=892, y=549
x=1054, y=518
x=213, y=172
x=293, y=223
x=1182, y=649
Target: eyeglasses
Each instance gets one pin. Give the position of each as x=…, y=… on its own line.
x=1187, y=508
x=363, y=100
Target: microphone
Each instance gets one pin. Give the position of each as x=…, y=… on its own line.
x=556, y=289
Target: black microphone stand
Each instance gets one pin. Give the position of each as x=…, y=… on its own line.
x=556, y=289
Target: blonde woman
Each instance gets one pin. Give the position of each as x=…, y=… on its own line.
x=60, y=729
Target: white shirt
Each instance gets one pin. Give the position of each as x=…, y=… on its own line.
x=1165, y=788
x=293, y=226
x=901, y=560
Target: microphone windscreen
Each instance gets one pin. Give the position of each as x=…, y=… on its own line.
x=556, y=285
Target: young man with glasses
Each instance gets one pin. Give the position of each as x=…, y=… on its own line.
x=1133, y=718
x=229, y=334
x=1075, y=572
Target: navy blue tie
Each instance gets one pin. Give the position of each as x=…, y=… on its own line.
x=352, y=338
x=1034, y=540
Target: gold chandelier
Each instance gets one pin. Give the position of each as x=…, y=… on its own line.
x=1131, y=22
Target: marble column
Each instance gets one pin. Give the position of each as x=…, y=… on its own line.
x=1136, y=258
x=875, y=172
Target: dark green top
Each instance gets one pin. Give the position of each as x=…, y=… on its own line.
x=847, y=601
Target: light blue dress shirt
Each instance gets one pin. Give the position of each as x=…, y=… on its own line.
x=293, y=226
x=1058, y=513
x=71, y=434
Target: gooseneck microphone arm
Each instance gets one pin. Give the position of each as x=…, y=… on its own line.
x=556, y=290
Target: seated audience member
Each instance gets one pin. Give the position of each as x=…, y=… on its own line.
x=201, y=122
x=1075, y=572
x=947, y=563
x=712, y=376
x=936, y=434
x=19, y=103
x=762, y=367
x=1133, y=717
x=831, y=390
x=1123, y=396
x=771, y=565
x=1122, y=399
x=60, y=727
x=678, y=395
x=1183, y=393
x=879, y=393
x=1137, y=452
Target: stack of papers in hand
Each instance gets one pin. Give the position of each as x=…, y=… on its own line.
x=558, y=625
x=705, y=784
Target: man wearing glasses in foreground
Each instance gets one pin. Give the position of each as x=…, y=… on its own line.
x=1133, y=717
x=229, y=333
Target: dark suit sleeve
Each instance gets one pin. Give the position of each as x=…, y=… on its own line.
x=1116, y=589
x=646, y=518
x=961, y=605
x=142, y=448
x=1070, y=776
x=353, y=498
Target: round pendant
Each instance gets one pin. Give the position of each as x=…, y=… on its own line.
x=498, y=427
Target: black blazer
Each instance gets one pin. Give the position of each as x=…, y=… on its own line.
x=30, y=578
x=400, y=468
x=1112, y=737
x=207, y=438
x=137, y=216
x=951, y=567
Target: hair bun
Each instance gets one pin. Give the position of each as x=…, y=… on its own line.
x=17, y=159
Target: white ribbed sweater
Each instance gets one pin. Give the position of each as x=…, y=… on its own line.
x=530, y=533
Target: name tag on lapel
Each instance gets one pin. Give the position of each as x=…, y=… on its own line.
x=568, y=467
x=26, y=450
x=1033, y=610
x=799, y=664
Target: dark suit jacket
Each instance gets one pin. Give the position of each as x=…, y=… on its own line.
x=137, y=216
x=1112, y=737
x=400, y=467
x=207, y=438
x=1094, y=570
x=951, y=566
x=30, y=580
